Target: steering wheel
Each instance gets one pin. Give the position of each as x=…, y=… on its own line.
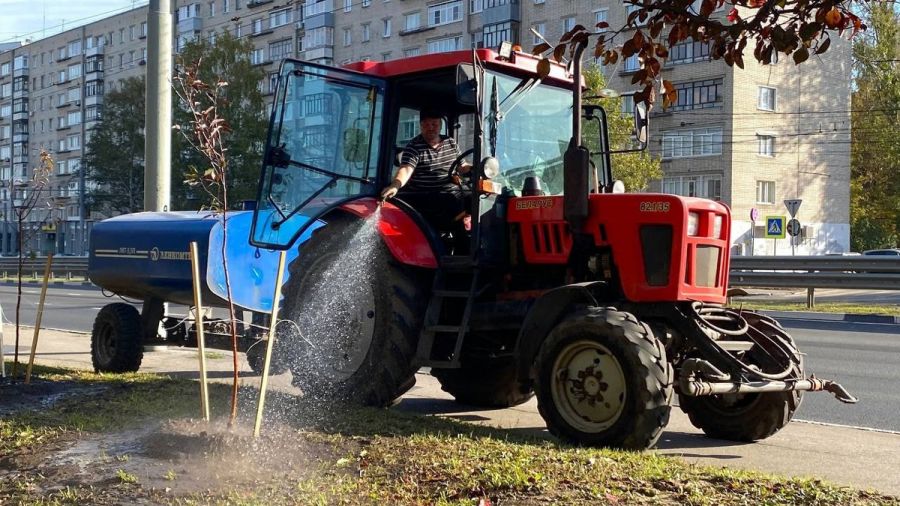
x=454, y=167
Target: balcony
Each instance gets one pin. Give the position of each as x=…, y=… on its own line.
x=418, y=29
x=93, y=100
x=20, y=72
x=501, y=14
x=64, y=104
x=258, y=3
x=20, y=115
x=260, y=33
x=319, y=52
x=20, y=137
x=94, y=51
x=194, y=24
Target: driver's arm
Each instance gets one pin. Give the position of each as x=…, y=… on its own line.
x=400, y=179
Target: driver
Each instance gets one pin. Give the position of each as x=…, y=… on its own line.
x=424, y=180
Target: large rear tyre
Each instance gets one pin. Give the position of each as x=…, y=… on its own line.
x=747, y=417
x=603, y=380
x=356, y=317
x=117, y=339
x=486, y=385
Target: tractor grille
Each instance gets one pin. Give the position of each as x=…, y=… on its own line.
x=656, y=247
x=548, y=242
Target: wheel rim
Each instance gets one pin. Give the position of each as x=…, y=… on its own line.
x=336, y=317
x=588, y=386
x=106, y=344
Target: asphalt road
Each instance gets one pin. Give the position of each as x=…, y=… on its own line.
x=863, y=357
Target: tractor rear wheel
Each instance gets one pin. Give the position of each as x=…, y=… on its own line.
x=356, y=317
x=116, y=339
x=747, y=417
x=485, y=385
x=603, y=380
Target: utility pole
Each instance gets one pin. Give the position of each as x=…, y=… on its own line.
x=158, y=132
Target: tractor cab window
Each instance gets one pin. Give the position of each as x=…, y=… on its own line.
x=322, y=148
x=527, y=128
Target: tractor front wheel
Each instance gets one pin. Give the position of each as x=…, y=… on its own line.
x=748, y=417
x=353, y=317
x=603, y=380
x=116, y=339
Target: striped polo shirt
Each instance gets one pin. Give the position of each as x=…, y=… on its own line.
x=430, y=165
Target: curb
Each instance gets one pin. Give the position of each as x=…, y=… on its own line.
x=833, y=317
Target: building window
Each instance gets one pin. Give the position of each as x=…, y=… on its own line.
x=540, y=28
x=476, y=6
x=366, y=3
x=709, y=187
x=75, y=48
x=318, y=37
x=273, y=82
x=766, y=100
x=73, y=142
x=366, y=32
x=412, y=22
x=226, y=6
x=73, y=118
x=500, y=32
x=698, y=95
x=385, y=56
x=279, y=18
x=93, y=88
x=765, y=192
x=258, y=56
x=92, y=113
x=627, y=105
x=688, y=51
x=386, y=28
x=257, y=25
x=445, y=44
x=766, y=145
x=311, y=8
x=348, y=5
x=632, y=63
x=692, y=142
x=601, y=16
x=280, y=50
x=348, y=37
x=444, y=13
x=413, y=51
x=568, y=24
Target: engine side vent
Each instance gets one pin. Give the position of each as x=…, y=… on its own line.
x=547, y=243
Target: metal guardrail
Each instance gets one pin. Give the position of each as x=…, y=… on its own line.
x=811, y=272
x=65, y=267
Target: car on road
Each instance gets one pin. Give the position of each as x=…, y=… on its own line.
x=888, y=252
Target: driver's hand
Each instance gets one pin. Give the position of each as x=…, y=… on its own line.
x=390, y=191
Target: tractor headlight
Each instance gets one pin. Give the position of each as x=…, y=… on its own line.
x=490, y=167
x=693, y=224
x=717, y=226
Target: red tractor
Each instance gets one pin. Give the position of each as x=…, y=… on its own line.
x=601, y=303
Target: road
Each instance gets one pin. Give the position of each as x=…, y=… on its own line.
x=865, y=358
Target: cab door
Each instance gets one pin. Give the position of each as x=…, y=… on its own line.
x=322, y=149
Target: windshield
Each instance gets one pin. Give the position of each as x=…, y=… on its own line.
x=322, y=148
x=533, y=125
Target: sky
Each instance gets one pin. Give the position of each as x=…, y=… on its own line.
x=36, y=19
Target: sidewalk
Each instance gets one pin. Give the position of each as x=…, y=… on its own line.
x=844, y=455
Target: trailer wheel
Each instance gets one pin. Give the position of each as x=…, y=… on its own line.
x=603, y=380
x=485, y=385
x=356, y=317
x=117, y=339
x=746, y=417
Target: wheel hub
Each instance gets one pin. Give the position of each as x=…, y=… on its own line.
x=590, y=387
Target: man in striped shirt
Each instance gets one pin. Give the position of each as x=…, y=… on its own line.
x=424, y=180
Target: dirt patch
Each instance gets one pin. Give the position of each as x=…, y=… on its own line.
x=157, y=462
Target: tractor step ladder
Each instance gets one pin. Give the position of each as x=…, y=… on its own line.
x=463, y=270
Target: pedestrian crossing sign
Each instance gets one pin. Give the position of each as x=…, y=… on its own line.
x=775, y=227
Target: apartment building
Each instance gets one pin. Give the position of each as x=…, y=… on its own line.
x=750, y=138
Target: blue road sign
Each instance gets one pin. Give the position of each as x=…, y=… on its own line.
x=775, y=227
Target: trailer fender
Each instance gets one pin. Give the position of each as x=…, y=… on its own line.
x=405, y=238
x=545, y=314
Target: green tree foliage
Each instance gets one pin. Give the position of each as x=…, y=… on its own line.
x=875, y=151
x=115, y=153
x=636, y=170
x=242, y=108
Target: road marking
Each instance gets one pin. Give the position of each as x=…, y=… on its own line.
x=827, y=424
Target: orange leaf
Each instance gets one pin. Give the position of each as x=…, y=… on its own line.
x=833, y=18
x=540, y=48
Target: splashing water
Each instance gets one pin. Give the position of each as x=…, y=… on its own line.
x=332, y=329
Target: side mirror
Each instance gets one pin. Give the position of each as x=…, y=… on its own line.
x=466, y=84
x=641, y=124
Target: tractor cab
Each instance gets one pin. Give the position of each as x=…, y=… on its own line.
x=336, y=134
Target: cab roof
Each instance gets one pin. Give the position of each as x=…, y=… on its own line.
x=522, y=62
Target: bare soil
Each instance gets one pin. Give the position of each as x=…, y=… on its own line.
x=153, y=464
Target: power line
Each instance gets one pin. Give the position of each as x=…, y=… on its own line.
x=119, y=10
